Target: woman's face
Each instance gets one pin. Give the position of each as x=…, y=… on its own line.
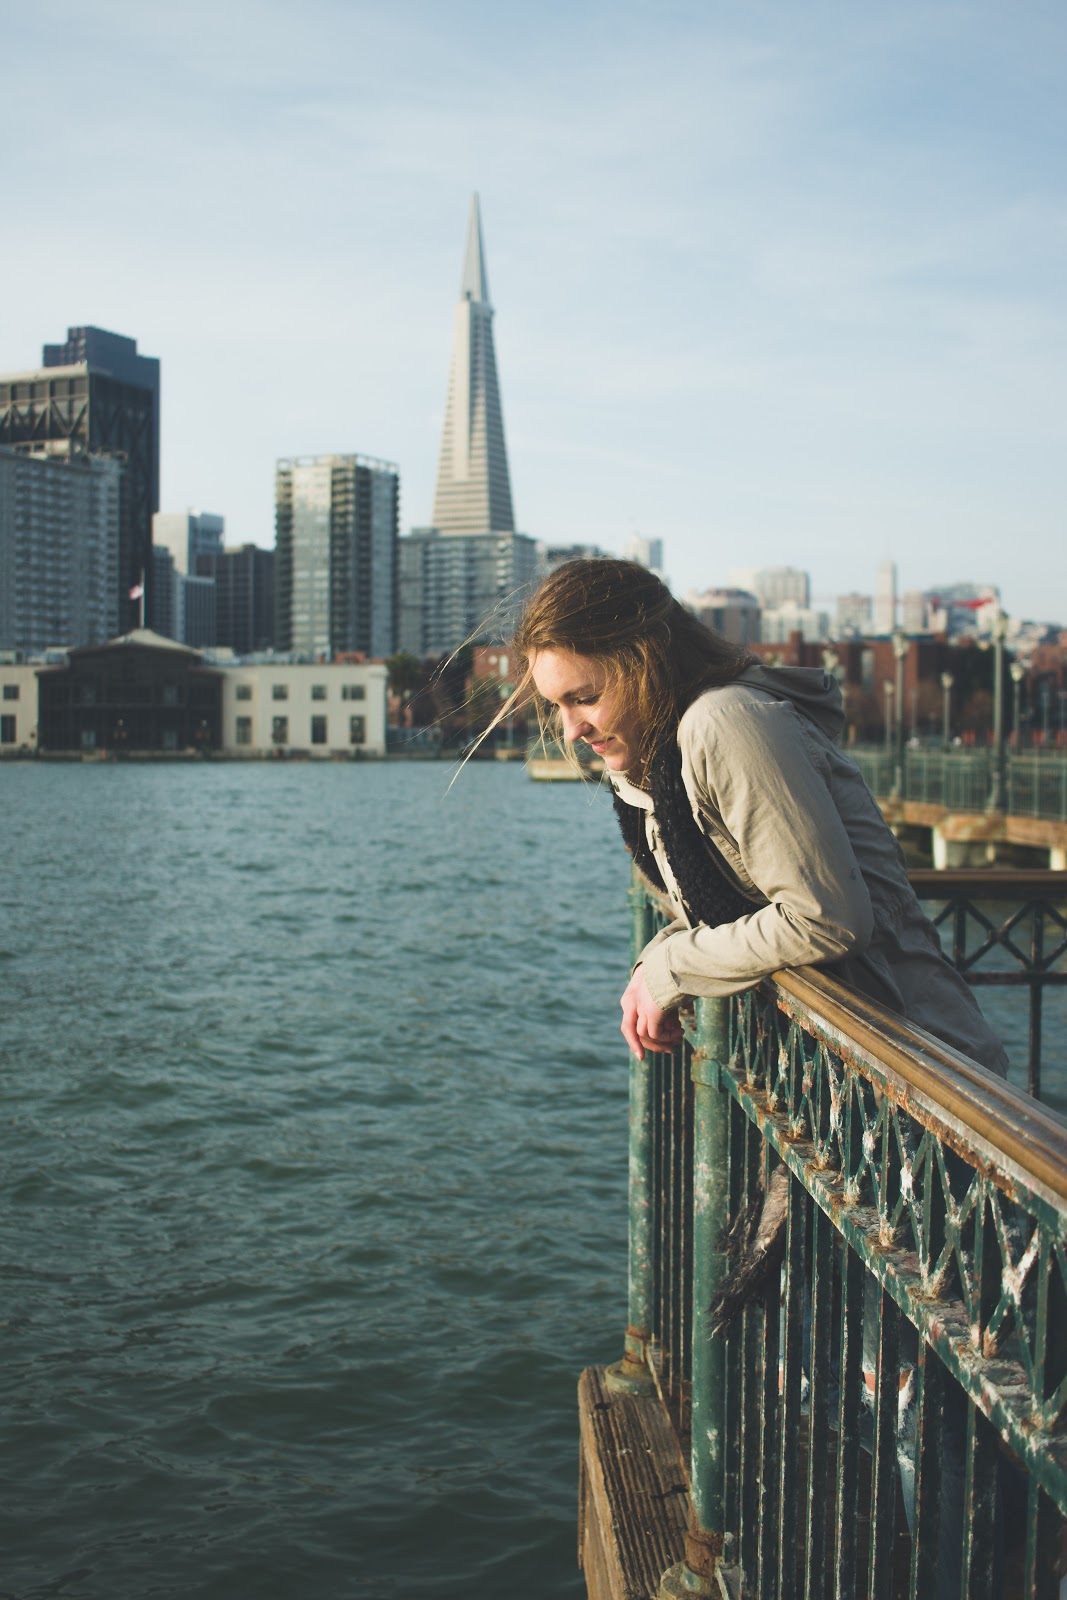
x=578, y=686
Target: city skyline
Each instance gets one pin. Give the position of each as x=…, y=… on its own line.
x=775, y=289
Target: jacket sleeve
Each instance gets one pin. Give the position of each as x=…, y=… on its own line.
x=758, y=778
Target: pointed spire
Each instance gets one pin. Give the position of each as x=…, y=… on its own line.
x=475, y=284
x=473, y=493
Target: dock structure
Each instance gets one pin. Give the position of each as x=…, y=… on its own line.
x=974, y=806
x=884, y=1412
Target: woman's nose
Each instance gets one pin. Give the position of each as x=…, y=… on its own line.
x=574, y=724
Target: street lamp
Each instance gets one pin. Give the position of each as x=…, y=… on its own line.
x=888, y=687
x=947, y=680
x=900, y=650
x=1018, y=673
x=996, y=792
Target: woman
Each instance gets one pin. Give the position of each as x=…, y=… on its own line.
x=733, y=797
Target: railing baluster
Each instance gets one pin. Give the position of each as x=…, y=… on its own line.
x=979, y=1509
x=849, y=1412
x=884, y=1473
x=822, y=1287
x=929, y=1392
x=1037, y=951
x=792, y=1379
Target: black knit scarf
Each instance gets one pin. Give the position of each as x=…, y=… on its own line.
x=702, y=877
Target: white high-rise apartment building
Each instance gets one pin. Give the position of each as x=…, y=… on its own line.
x=335, y=573
x=59, y=550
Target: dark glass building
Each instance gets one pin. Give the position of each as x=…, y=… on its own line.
x=244, y=597
x=96, y=395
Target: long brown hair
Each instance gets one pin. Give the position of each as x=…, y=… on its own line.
x=658, y=656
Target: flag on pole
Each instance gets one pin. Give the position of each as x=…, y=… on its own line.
x=137, y=591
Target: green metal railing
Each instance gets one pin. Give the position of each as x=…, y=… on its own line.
x=887, y=1412
x=963, y=780
x=1003, y=929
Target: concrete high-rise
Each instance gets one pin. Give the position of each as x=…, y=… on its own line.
x=774, y=586
x=95, y=395
x=463, y=578
x=473, y=493
x=59, y=550
x=336, y=522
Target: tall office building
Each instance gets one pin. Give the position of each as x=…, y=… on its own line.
x=182, y=599
x=95, y=395
x=648, y=552
x=244, y=597
x=188, y=535
x=885, y=598
x=59, y=550
x=473, y=493
x=464, y=577
x=335, y=568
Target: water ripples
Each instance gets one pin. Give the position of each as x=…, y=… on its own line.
x=313, y=1178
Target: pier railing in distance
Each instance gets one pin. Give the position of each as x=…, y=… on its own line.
x=1035, y=781
x=879, y=1406
x=1003, y=929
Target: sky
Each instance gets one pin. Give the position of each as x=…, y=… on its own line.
x=780, y=283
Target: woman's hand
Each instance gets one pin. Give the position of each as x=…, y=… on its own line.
x=644, y=1025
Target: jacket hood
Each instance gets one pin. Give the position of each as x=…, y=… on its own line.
x=812, y=690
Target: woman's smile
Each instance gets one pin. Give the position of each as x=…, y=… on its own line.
x=578, y=687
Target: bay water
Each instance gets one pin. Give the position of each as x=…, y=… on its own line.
x=312, y=1176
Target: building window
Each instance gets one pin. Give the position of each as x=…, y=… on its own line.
x=318, y=730
x=318, y=691
x=357, y=730
x=11, y=691
x=279, y=730
x=280, y=691
x=244, y=691
x=244, y=729
x=7, y=730
x=88, y=738
x=353, y=691
x=169, y=694
x=170, y=738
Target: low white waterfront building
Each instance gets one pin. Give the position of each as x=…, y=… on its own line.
x=18, y=707
x=275, y=707
x=308, y=708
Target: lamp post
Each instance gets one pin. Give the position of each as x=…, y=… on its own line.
x=996, y=792
x=1018, y=673
x=900, y=650
x=947, y=680
x=888, y=688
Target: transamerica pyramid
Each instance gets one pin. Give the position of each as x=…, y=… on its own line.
x=473, y=493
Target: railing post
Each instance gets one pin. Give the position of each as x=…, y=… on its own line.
x=631, y=1375
x=711, y=1109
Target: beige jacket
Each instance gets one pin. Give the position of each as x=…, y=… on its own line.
x=800, y=832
